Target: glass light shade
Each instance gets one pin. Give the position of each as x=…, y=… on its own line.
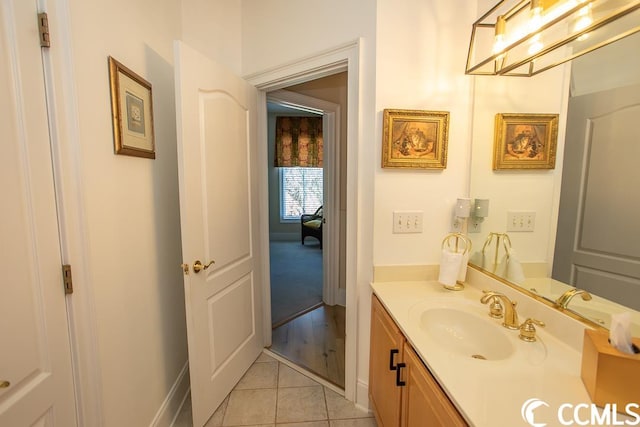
x=463, y=208
x=481, y=208
x=527, y=37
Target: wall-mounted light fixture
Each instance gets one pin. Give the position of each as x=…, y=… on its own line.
x=479, y=212
x=527, y=37
x=461, y=213
x=468, y=215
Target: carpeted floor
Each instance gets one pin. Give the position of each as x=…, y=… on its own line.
x=296, y=278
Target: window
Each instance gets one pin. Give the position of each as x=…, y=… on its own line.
x=300, y=192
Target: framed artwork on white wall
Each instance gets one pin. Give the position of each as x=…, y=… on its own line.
x=132, y=112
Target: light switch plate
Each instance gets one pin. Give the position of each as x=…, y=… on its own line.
x=407, y=221
x=521, y=221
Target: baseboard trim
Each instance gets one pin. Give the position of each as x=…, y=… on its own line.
x=362, y=396
x=172, y=405
x=342, y=297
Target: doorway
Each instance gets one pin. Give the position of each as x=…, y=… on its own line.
x=307, y=279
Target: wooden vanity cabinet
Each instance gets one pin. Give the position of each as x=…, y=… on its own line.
x=386, y=351
x=401, y=389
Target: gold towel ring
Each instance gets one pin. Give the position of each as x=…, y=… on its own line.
x=457, y=237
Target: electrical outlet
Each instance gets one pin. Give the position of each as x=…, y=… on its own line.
x=475, y=225
x=458, y=224
x=407, y=221
x=521, y=221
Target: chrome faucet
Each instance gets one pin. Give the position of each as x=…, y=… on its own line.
x=510, y=313
x=563, y=300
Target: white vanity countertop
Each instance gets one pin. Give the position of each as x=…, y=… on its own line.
x=490, y=392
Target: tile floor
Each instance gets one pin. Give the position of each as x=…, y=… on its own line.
x=272, y=394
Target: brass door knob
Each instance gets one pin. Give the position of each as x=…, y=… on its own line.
x=4, y=384
x=198, y=266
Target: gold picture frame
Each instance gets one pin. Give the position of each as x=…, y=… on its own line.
x=415, y=139
x=132, y=112
x=525, y=141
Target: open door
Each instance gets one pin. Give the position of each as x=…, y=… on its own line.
x=217, y=128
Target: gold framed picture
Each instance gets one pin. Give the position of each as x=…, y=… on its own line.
x=525, y=141
x=132, y=112
x=415, y=139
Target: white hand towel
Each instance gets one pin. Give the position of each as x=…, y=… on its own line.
x=462, y=275
x=515, y=273
x=478, y=259
x=449, y=267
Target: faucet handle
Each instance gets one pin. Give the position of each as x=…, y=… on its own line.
x=495, y=307
x=528, y=329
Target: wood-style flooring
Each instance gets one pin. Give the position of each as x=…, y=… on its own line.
x=315, y=341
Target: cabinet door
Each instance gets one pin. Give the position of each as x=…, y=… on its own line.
x=386, y=351
x=423, y=401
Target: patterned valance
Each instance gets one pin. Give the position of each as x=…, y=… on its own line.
x=298, y=142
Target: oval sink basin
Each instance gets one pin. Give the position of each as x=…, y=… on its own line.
x=465, y=334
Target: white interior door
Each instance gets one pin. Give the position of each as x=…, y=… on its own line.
x=597, y=241
x=218, y=208
x=36, y=386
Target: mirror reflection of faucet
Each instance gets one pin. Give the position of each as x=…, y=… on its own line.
x=563, y=300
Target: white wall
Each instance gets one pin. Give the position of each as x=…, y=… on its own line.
x=214, y=28
x=123, y=229
x=421, y=54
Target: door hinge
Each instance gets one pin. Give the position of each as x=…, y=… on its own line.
x=43, y=29
x=66, y=279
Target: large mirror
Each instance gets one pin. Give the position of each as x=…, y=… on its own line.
x=585, y=230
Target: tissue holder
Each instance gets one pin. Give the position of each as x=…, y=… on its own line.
x=609, y=375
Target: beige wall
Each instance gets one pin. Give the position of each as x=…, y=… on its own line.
x=123, y=225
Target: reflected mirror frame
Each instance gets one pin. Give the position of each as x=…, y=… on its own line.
x=542, y=299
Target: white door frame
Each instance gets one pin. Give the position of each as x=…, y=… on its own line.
x=339, y=59
x=331, y=182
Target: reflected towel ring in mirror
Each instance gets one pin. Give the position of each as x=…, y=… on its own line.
x=506, y=243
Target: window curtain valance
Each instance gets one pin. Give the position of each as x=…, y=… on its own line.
x=298, y=142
